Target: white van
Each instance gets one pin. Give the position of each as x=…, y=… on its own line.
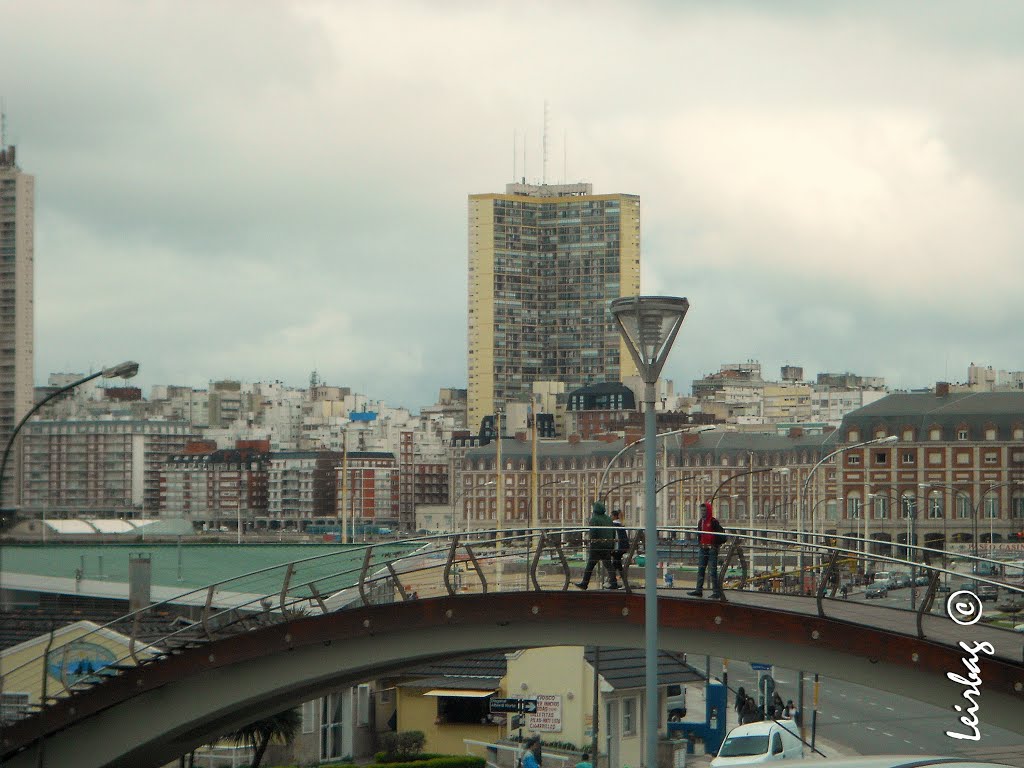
x=760, y=743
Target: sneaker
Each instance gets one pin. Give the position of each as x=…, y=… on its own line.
x=614, y=586
x=695, y=593
x=581, y=585
x=717, y=596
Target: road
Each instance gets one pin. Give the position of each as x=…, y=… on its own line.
x=869, y=721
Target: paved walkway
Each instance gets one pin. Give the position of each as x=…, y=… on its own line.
x=939, y=628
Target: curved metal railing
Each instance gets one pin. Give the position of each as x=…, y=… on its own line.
x=489, y=561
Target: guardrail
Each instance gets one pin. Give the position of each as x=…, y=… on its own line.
x=483, y=562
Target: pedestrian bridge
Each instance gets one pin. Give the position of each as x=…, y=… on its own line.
x=277, y=637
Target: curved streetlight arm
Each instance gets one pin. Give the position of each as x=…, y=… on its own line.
x=780, y=470
x=981, y=501
x=613, y=459
x=124, y=370
x=876, y=441
x=609, y=492
x=687, y=476
x=807, y=481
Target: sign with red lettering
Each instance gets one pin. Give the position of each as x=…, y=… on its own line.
x=548, y=717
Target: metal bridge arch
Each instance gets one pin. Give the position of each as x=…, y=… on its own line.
x=149, y=714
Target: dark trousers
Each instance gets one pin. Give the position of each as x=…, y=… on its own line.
x=602, y=555
x=708, y=555
x=617, y=566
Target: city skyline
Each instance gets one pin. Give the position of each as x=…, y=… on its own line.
x=257, y=193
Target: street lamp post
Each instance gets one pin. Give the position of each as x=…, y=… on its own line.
x=124, y=370
x=991, y=520
x=536, y=514
x=649, y=325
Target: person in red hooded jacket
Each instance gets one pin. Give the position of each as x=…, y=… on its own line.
x=709, y=537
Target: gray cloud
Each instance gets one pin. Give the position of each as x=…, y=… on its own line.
x=230, y=190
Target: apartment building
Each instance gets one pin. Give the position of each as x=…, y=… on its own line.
x=98, y=468
x=368, y=489
x=17, y=333
x=302, y=486
x=217, y=488
x=545, y=261
x=738, y=394
x=954, y=478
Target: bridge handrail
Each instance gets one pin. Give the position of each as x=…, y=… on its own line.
x=386, y=565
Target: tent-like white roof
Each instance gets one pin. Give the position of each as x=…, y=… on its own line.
x=70, y=526
x=112, y=526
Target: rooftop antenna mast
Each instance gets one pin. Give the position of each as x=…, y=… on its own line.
x=565, y=157
x=514, y=158
x=544, y=145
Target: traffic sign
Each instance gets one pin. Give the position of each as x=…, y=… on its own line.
x=760, y=666
x=528, y=706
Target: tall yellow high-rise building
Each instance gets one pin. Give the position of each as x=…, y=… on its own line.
x=545, y=261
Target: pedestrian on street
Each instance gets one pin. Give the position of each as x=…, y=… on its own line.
x=585, y=761
x=602, y=542
x=741, y=698
x=531, y=755
x=709, y=537
x=749, y=712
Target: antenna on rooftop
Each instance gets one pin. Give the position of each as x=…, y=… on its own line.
x=565, y=157
x=513, y=154
x=524, y=157
x=544, y=146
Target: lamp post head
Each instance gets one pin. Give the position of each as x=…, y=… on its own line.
x=124, y=370
x=884, y=440
x=781, y=470
x=649, y=325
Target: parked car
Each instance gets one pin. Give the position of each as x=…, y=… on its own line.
x=759, y=743
x=922, y=581
x=988, y=592
x=878, y=589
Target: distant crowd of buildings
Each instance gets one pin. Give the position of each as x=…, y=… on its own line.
x=269, y=457
x=546, y=367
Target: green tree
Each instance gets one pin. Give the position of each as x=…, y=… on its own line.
x=280, y=729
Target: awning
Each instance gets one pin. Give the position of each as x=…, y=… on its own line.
x=464, y=693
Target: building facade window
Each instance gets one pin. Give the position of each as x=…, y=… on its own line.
x=853, y=507
x=881, y=507
x=963, y=507
x=1017, y=507
x=991, y=507
x=629, y=717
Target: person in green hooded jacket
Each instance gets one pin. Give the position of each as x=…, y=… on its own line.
x=602, y=542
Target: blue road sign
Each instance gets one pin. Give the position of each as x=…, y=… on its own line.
x=760, y=666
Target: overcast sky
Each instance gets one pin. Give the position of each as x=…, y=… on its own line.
x=256, y=190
